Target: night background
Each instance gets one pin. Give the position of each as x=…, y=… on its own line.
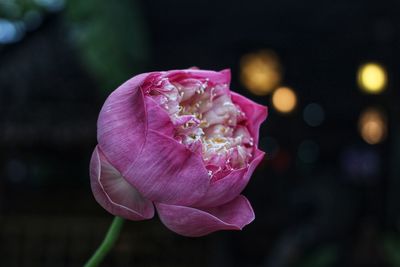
x=326, y=194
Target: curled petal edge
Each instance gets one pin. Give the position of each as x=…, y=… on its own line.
x=227, y=188
x=114, y=194
x=192, y=222
x=255, y=113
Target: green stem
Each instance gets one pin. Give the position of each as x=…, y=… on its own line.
x=107, y=244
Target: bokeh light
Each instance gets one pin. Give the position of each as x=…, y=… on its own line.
x=372, y=126
x=11, y=32
x=284, y=99
x=372, y=78
x=260, y=72
x=313, y=114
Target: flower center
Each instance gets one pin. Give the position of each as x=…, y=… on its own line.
x=206, y=121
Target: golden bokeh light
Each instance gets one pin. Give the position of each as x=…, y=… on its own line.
x=372, y=78
x=284, y=99
x=372, y=126
x=260, y=72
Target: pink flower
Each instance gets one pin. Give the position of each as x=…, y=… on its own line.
x=182, y=142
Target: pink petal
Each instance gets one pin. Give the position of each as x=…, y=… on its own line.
x=194, y=222
x=121, y=127
x=157, y=119
x=227, y=188
x=221, y=77
x=255, y=113
x=114, y=194
x=166, y=171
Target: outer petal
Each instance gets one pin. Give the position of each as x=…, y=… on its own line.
x=115, y=194
x=166, y=171
x=221, y=77
x=224, y=190
x=122, y=127
x=255, y=113
x=194, y=222
x=133, y=135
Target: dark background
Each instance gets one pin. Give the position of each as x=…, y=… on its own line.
x=335, y=202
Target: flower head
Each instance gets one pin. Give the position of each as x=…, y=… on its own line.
x=180, y=140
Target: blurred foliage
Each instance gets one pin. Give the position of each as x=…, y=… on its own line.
x=17, y=17
x=15, y=9
x=321, y=257
x=24, y=9
x=111, y=37
x=392, y=249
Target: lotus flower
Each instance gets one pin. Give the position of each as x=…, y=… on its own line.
x=179, y=142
